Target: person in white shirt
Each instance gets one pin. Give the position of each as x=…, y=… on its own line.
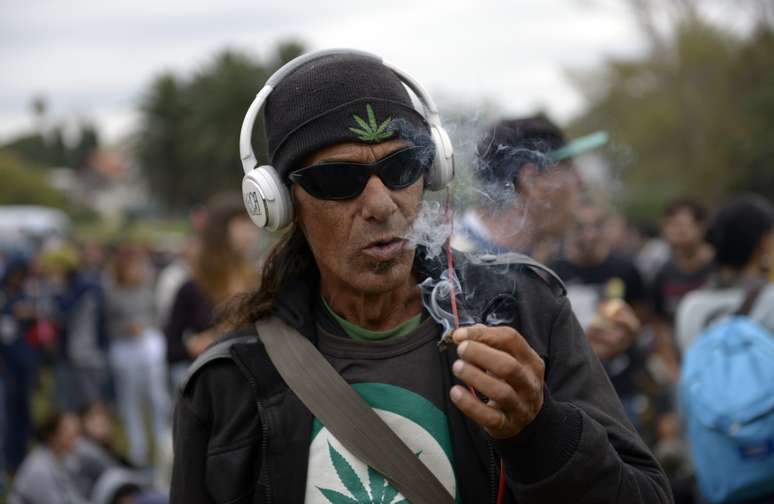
x=743, y=236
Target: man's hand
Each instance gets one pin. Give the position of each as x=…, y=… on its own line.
x=613, y=330
x=498, y=362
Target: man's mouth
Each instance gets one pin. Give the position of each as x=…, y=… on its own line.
x=385, y=249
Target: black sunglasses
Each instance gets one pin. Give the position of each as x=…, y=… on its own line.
x=341, y=180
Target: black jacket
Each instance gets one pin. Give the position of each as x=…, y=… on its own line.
x=241, y=436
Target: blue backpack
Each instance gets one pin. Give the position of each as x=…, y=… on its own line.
x=726, y=395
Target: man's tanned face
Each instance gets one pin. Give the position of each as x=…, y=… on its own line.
x=358, y=243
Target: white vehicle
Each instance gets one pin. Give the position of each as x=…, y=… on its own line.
x=25, y=227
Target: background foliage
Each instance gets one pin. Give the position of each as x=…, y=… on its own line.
x=187, y=143
x=694, y=116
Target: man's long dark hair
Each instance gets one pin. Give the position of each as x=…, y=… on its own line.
x=290, y=258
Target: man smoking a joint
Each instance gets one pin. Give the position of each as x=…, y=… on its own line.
x=355, y=158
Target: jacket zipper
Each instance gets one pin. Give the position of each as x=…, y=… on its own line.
x=265, y=430
x=264, y=446
x=492, y=474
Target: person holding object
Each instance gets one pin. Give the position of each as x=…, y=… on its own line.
x=351, y=159
x=608, y=298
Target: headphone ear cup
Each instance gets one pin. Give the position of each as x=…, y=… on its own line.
x=267, y=199
x=442, y=170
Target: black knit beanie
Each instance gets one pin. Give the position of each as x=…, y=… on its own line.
x=512, y=143
x=337, y=98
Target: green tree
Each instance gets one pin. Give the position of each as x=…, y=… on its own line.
x=696, y=113
x=87, y=143
x=47, y=148
x=22, y=183
x=187, y=145
x=161, y=144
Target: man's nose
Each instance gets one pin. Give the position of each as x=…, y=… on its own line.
x=377, y=200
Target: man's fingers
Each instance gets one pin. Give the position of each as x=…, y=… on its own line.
x=499, y=363
x=474, y=409
x=504, y=338
x=491, y=386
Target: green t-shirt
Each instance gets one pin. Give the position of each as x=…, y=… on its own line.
x=398, y=373
x=358, y=333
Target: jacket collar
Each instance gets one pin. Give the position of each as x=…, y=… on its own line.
x=297, y=300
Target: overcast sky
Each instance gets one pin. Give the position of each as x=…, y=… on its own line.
x=93, y=58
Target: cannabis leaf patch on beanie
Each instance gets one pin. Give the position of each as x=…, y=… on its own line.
x=371, y=131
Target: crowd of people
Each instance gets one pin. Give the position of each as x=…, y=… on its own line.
x=93, y=333
x=114, y=328
x=642, y=293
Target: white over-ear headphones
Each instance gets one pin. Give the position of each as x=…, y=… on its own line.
x=266, y=197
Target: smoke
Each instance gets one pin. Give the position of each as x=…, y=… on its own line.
x=486, y=199
x=431, y=228
x=437, y=300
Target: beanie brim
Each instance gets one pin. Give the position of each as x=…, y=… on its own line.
x=368, y=120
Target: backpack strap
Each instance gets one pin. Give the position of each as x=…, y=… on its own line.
x=219, y=350
x=748, y=303
x=750, y=298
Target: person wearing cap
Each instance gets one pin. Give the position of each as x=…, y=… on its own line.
x=344, y=277
x=527, y=192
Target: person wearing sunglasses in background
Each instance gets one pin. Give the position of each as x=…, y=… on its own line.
x=354, y=158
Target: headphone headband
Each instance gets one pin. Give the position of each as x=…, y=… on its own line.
x=246, y=153
x=266, y=197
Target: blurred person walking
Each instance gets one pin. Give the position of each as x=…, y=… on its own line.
x=137, y=350
x=221, y=268
x=80, y=365
x=17, y=358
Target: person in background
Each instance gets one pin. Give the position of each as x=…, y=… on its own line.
x=688, y=268
x=608, y=297
x=652, y=251
x=80, y=365
x=742, y=234
x=222, y=268
x=92, y=260
x=137, y=350
x=622, y=237
x=683, y=227
x=174, y=274
x=93, y=454
x=43, y=477
x=17, y=360
x=527, y=200
x=99, y=471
